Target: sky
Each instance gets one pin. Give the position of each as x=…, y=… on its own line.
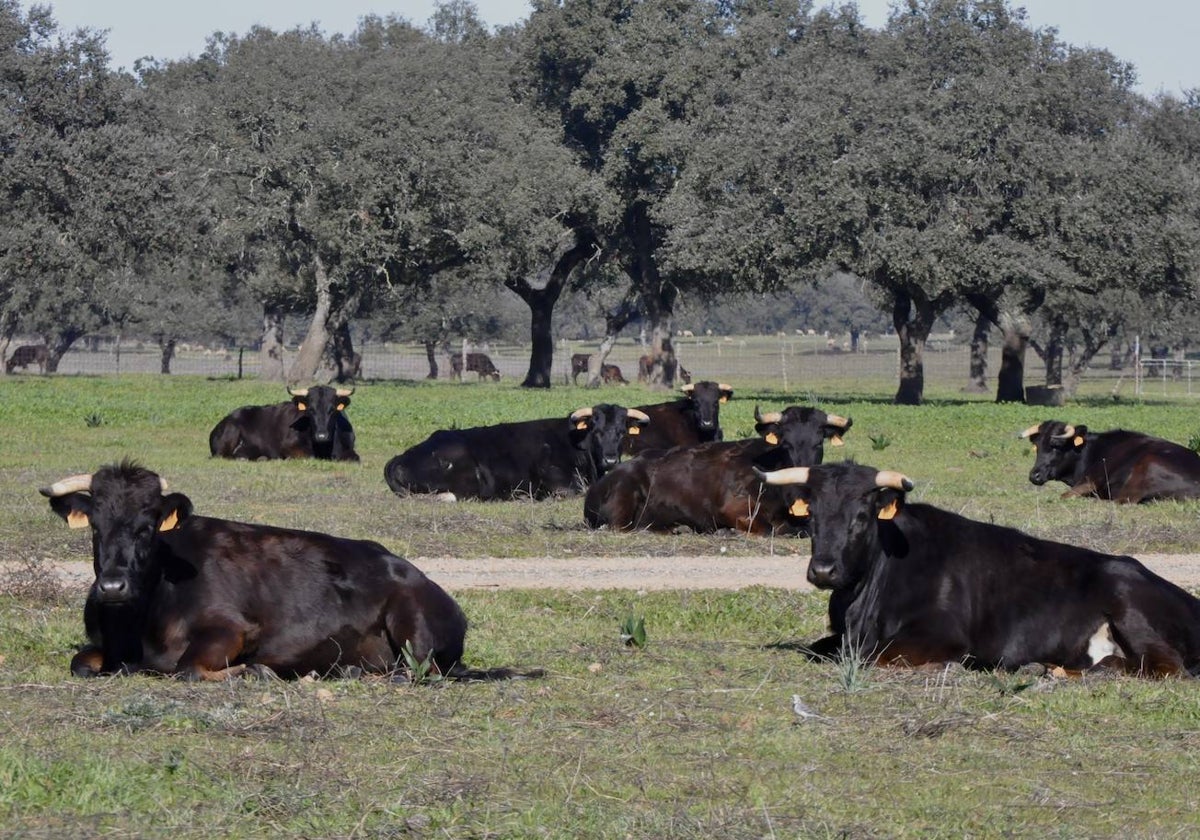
x=1158, y=36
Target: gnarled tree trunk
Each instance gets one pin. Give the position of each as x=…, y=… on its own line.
x=167, y=346
x=431, y=355
x=913, y=318
x=614, y=322
x=271, y=352
x=308, y=360
x=1010, y=381
x=977, y=374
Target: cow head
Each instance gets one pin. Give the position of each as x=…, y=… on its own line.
x=845, y=504
x=1059, y=447
x=706, y=398
x=319, y=407
x=801, y=432
x=441, y=464
x=600, y=432
x=126, y=507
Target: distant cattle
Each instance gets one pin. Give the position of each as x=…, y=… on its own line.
x=914, y=585
x=609, y=374
x=177, y=593
x=532, y=458
x=646, y=365
x=1118, y=465
x=696, y=418
x=479, y=363
x=26, y=355
x=713, y=486
x=312, y=425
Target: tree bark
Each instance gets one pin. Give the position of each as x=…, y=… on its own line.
x=977, y=374
x=308, y=360
x=1010, y=381
x=614, y=322
x=541, y=301
x=346, y=361
x=913, y=320
x=431, y=355
x=167, y=346
x=58, y=345
x=271, y=352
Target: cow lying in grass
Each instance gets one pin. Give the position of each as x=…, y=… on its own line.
x=912, y=585
x=205, y=598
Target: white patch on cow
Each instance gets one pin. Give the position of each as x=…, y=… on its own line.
x=446, y=497
x=1101, y=644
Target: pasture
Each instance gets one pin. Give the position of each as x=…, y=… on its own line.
x=692, y=735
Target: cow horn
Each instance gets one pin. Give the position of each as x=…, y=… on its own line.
x=1068, y=431
x=893, y=479
x=580, y=414
x=1031, y=431
x=162, y=483
x=298, y=392
x=788, y=475
x=688, y=388
x=769, y=417
x=72, y=484
x=344, y=392
x=837, y=420
x=721, y=386
x=640, y=416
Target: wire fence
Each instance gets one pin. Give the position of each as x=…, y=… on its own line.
x=794, y=363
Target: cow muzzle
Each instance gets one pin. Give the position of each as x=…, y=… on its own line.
x=113, y=590
x=821, y=574
x=1037, y=476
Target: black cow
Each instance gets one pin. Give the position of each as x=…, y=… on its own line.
x=915, y=585
x=312, y=425
x=533, y=458
x=479, y=363
x=1118, y=465
x=685, y=422
x=177, y=593
x=713, y=486
x=26, y=355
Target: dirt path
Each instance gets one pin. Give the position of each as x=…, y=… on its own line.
x=704, y=572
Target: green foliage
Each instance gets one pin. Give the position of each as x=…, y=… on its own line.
x=880, y=442
x=419, y=671
x=633, y=631
x=93, y=420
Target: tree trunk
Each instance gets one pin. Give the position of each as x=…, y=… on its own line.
x=431, y=355
x=541, y=301
x=167, y=345
x=308, y=360
x=8, y=329
x=271, y=354
x=657, y=299
x=614, y=322
x=913, y=320
x=1053, y=354
x=1010, y=381
x=977, y=375
x=854, y=338
x=346, y=361
x=58, y=346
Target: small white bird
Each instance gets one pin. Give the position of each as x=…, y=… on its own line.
x=802, y=709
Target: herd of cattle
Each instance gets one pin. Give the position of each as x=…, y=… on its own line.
x=910, y=584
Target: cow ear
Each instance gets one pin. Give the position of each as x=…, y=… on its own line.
x=175, y=508
x=890, y=502
x=342, y=403
x=836, y=440
x=74, y=508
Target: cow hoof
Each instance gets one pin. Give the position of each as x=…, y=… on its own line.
x=261, y=673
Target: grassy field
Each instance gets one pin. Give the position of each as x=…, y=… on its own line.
x=691, y=736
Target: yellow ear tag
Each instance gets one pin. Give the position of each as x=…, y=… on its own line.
x=341, y=406
x=836, y=440
x=77, y=519
x=723, y=399
x=1033, y=448
x=170, y=523
x=301, y=406
x=799, y=508
x=635, y=430
x=1078, y=440
x=771, y=438
x=890, y=511
x=581, y=425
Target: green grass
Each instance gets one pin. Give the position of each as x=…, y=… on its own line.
x=691, y=735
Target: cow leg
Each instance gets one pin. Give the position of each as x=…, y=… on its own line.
x=210, y=653
x=1148, y=653
x=89, y=662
